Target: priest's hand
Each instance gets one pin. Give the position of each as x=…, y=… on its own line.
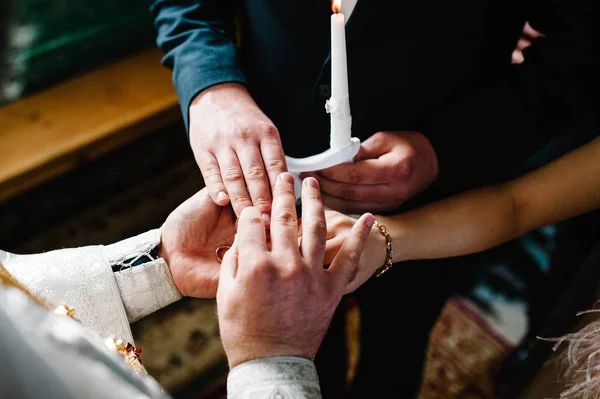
x=236, y=146
x=390, y=168
x=190, y=236
x=279, y=301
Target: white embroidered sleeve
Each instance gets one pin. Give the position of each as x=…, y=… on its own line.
x=78, y=277
x=83, y=278
x=145, y=288
x=284, y=377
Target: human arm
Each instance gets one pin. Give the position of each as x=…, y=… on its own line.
x=275, y=302
x=235, y=144
x=486, y=217
x=389, y=169
x=108, y=292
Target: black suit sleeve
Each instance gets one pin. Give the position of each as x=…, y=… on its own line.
x=496, y=124
x=199, y=42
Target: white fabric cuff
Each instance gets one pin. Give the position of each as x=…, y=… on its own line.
x=281, y=377
x=145, y=288
x=78, y=277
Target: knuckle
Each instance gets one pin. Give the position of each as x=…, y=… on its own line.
x=378, y=139
x=243, y=133
x=211, y=171
x=353, y=256
x=355, y=177
x=240, y=202
x=262, y=203
x=286, y=218
x=255, y=173
x=261, y=265
x=406, y=167
x=293, y=270
x=316, y=227
x=253, y=219
x=275, y=164
x=268, y=130
x=231, y=175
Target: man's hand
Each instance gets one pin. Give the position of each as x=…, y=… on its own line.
x=280, y=301
x=390, y=168
x=236, y=146
x=529, y=35
x=190, y=236
x=339, y=226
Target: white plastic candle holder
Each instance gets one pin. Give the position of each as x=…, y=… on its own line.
x=324, y=160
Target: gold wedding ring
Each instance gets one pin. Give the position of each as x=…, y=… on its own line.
x=218, y=251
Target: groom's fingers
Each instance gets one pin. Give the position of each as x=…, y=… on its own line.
x=284, y=221
x=314, y=227
x=251, y=237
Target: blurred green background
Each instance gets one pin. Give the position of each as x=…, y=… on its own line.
x=57, y=39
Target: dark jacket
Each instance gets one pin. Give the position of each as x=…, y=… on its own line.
x=439, y=67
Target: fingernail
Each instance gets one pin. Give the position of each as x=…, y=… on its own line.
x=222, y=196
x=266, y=218
x=312, y=182
x=370, y=221
x=286, y=177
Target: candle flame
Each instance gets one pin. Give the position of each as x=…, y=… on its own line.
x=336, y=6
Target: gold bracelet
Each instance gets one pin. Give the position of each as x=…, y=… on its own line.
x=389, y=255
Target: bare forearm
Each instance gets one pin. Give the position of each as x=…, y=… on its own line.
x=460, y=225
x=480, y=219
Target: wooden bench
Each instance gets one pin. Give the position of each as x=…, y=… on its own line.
x=53, y=131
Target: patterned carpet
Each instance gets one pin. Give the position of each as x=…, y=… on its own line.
x=464, y=356
x=465, y=353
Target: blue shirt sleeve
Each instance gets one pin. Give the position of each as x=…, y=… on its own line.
x=199, y=42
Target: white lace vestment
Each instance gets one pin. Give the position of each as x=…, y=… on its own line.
x=83, y=278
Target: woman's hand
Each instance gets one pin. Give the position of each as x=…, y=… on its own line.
x=374, y=253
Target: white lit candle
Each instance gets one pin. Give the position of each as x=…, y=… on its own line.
x=339, y=104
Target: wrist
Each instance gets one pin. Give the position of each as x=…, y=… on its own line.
x=229, y=94
x=163, y=251
x=400, y=239
x=378, y=243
